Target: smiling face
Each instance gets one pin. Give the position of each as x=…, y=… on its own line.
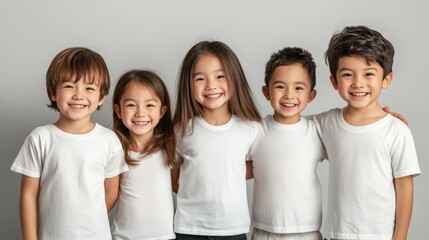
x=76, y=102
x=360, y=83
x=289, y=91
x=140, y=110
x=210, y=84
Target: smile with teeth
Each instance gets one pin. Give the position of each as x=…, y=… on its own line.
x=213, y=95
x=359, y=94
x=288, y=104
x=141, y=122
x=77, y=105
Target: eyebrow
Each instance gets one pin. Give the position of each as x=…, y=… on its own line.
x=148, y=100
x=295, y=83
x=349, y=69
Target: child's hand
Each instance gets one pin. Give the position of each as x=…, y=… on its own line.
x=397, y=115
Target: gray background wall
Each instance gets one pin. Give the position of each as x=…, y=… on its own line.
x=157, y=34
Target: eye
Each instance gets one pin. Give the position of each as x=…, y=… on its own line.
x=368, y=74
x=198, y=78
x=220, y=76
x=130, y=105
x=299, y=88
x=90, y=89
x=151, y=105
x=279, y=87
x=68, y=86
x=346, y=75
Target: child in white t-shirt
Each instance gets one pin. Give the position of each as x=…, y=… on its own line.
x=142, y=121
x=287, y=194
x=372, y=157
x=70, y=169
x=216, y=123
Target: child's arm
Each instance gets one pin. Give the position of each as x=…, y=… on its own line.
x=111, y=188
x=28, y=207
x=175, y=173
x=249, y=170
x=404, y=206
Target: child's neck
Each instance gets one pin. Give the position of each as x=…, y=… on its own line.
x=75, y=127
x=140, y=142
x=363, y=116
x=216, y=118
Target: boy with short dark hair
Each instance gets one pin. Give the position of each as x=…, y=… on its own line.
x=372, y=157
x=287, y=195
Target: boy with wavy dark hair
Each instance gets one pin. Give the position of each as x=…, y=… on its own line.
x=372, y=157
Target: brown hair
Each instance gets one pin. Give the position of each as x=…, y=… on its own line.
x=360, y=41
x=163, y=137
x=241, y=102
x=74, y=64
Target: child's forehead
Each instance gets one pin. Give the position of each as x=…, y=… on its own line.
x=295, y=70
x=357, y=60
x=138, y=87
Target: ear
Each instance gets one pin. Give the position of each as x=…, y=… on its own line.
x=266, y=92
x=387, y=80
x=163, y=110
x=334, y=82
x=101, y=101
x=53, y=98
x=117, y=110
x=312, y=95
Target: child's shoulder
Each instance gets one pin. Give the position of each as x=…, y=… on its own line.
x=396, y=124
x=324, y=116
x=42, y=130
x=105, y=133
x=247, y=123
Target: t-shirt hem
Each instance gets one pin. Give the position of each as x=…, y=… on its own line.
x=169, y=236
x=157, y=237
x=24, y=171
x=413, y=172
x=282, y=229
x=359, y=236
x=205, y=232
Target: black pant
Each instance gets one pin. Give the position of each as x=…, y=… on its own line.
x=180, y=236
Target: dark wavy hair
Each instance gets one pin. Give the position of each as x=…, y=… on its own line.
x=360, y=41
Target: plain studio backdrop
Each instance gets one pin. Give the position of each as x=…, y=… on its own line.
x=157, y=34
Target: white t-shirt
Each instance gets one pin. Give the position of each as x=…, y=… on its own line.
x=72, y=169
x=212, y=197
x=287, y=196
x=145, y=205
x=363, y=162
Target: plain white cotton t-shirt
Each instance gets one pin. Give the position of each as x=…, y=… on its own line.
x=72, y=169
x=212, y=197
x=287, y=195
x=363, y=162
x=145, y=205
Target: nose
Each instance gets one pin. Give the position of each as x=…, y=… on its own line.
x=288, y=93
x=357, y=82
x=210, y=84
x=78, y=94
x=140, y=112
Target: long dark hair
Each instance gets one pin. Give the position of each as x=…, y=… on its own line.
x=241, y=102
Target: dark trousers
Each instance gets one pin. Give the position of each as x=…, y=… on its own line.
x=199, y=237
